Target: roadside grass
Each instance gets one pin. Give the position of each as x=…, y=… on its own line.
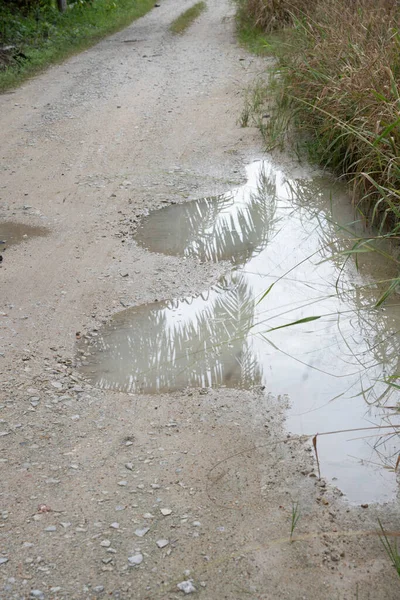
x=181, y=23
x=391, y=548
x=336, y=84
x=44, y=36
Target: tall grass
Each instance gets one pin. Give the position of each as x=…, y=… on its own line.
x=338, y=78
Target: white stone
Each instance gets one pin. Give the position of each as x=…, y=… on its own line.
x=186, y=586
x=135, y=560
x=142, y=532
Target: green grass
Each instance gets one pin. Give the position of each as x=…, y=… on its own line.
x=46, y=36
x=391, y=549
x=186, y=18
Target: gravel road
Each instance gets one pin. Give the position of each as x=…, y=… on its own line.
x=106, y=494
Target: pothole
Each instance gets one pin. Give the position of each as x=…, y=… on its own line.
x=293, y=316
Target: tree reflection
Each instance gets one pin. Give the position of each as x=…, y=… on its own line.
x=162, y=347
x=233, y=226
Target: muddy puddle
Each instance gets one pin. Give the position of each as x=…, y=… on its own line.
x=12, y=233
x=315, y=339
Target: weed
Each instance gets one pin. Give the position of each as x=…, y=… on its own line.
x=186, y=18
x=391, y=549
x=295, y=518
x=255, y=105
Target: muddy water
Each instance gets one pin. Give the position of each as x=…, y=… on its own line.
x=13, y=233
x=281, y=232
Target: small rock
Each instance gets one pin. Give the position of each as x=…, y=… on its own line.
x=55, y=590
x=166, y=511
x=142, y=532
x=115, y=525
x=105, y=543
x=186, y=586
x=37, y=594
x=3, y=560
x=51, y=528
x=162, y=543
x=135, y=560
x=98, y=589
x=196, y=524
x=364, y=505
x=123, y=482
x=129, y=466
x=148, y=516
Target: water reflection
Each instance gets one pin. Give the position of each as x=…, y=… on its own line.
x=277, y=231
x=232, y=226
x=168, y=346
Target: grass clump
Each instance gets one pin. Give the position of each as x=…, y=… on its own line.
x=337, y=76
x=391, y=549
x=184, y=20
x=270, y=15
x=34, y=35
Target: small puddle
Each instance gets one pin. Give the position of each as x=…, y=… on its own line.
x=12, y=233
x=277, y=230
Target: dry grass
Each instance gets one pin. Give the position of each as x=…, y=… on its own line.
x=270, y=15
x=339, y=75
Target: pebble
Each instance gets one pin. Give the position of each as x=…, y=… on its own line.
x=196, y=524
x=166, y=511
x=105, y=543
x=129, y=466
x=119, y=507
x=56, y=589
x=123, y=482
x=135, y=560
x=98, y=589
x=37, y=594
x=142, y=532
x=3, y=560
x=148, y=516
x=51, y=528
x=115, y=525
x=186, y=586
x=162, y=543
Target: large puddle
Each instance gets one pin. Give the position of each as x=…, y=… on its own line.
x=333, y=366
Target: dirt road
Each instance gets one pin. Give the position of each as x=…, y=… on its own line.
x=90, y=481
